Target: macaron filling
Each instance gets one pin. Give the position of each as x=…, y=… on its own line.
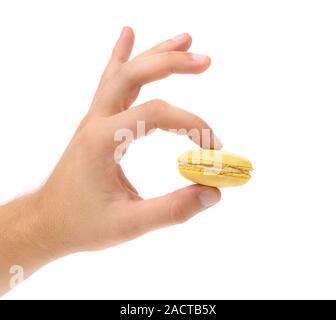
x=223, y=170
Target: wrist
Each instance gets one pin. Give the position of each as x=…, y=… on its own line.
x=25, y=237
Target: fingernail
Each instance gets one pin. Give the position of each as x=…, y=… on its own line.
x=208, y=197
x=217, y=143
x=199, y=57
x=180, y=37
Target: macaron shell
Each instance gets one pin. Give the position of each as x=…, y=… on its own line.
x=214, y=180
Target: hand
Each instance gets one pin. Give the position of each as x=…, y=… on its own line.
x=88, y=203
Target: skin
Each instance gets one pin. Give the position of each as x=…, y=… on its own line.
x=88, y=203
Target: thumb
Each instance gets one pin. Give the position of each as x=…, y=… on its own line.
x=176, y=207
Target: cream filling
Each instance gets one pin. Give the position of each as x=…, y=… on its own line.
x=214, y=169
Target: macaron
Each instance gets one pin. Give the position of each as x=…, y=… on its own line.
x=214, y=168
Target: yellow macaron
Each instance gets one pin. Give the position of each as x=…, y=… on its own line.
x=214, y=168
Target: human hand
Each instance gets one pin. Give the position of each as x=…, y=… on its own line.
x=88, y=203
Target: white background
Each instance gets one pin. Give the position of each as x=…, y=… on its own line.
x=269, y=95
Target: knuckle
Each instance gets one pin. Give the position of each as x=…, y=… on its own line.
x=105, y=78
x=197, y=122
x=90, y=134
x=176, y=212
x=158, y=103
x=156, y=107
x=197, y=118
x=194, y=118
x=168, y=60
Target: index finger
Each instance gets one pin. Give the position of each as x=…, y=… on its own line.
x=159, y=114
